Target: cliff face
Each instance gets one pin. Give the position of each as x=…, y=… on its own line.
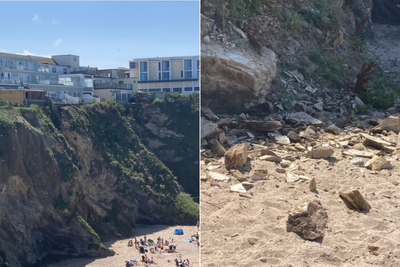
x=63, y=188
x=170, y=129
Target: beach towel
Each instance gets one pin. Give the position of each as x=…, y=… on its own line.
x=178, y=231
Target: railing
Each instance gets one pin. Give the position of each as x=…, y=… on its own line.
x=113, y=86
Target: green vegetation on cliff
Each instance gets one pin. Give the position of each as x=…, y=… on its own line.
x=84, y=161
x=182, y=118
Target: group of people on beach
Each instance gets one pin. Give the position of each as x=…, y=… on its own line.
x=145, y=245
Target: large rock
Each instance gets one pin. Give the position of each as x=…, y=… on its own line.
x=236, y=156
x=391, y=123
x=309, y=224
x=208, y=129
x=322, y=152
x=232, y=80
x=355, y=200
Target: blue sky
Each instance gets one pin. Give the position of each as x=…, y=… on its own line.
x=105, y=34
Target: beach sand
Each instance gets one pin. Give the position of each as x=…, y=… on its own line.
x=124, y=253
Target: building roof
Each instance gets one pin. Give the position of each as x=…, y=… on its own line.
x=64, y=55
x=15, y=55
x=44, y=60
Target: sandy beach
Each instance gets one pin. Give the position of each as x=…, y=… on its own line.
x=124, y=253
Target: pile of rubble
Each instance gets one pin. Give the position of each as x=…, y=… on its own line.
x=239, y=152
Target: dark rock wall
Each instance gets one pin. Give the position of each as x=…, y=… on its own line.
x=64, y=190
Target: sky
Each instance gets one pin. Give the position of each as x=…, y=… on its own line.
x=105, y=34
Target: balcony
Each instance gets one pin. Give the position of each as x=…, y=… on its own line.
x=113, y=86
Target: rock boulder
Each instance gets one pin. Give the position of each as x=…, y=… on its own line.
x=232, y=80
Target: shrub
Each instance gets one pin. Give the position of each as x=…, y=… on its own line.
x=188, y=209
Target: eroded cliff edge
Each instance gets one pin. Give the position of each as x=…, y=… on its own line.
x=72, y=177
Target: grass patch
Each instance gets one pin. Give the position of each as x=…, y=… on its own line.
x=359, y=43
x=87, y=226
x=244, y=9
x=330, y=66
x=382, y=93
x=187, y=208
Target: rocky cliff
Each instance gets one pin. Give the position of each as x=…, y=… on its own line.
x=170, y=129
x=72, y=177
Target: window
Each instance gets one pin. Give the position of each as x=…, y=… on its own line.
x=143, y=71
x=65, y=70
x=155, y=90
x=188, y=89
x=143, y=66
x=198, y=64
x=167, y=89
x=143, y=76
x=165, y=76
x=53, y=69
x=188, y=64
x=196, y=89
x=188, y=75
x=177, y=90
x=120, y=82
x=163, y=68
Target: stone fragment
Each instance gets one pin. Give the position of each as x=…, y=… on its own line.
x=257, y=176
x=236, y=156
x=322, y=152
x=282, y=140
x=247, y=185
x=357, y=161
x=309, y=224
x=391, y=123
x=359, y=146
x=218, y=176
x=262, y=126
x=209, y=114
x=377, y=143
x=313, y=185
x=252, y=240
x=308, y=133
x=206, y=39
x=358, y=153
x=302, y=117
x=319, y=106
x=344, y=143
x=278, y=170
x=356, y=200
x=221, y=137
x=380, y=164
x=208, y=129
x=252, y=136
x=311, y=89
x=300, y=147
x=224, y=122
x=285, y=163
x=333, y=129
x=217, y=148
x=271, y=158
x=293, y=136
x=238, y=175
x=238, y=188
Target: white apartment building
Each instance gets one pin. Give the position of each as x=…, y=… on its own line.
x=167, y=74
